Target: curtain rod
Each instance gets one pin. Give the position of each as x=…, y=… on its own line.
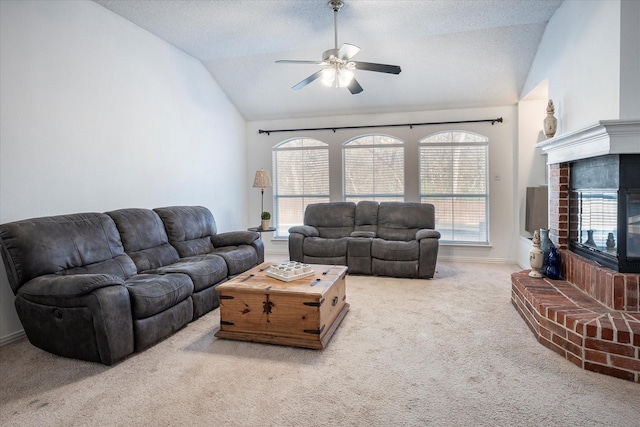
x=411, y=125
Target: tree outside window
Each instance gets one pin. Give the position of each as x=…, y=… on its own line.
x=373, y=169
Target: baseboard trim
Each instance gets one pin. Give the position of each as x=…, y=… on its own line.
x=8, y=339
x=277, y=254
x=477, y=259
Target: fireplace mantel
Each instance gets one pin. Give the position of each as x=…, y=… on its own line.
x=602, y=138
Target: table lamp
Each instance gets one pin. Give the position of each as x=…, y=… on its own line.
x=262, y=181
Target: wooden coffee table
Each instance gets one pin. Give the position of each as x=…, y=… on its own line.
x=303, y=313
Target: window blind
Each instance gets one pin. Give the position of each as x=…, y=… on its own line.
x=373, y=169
x=454, y=178
x=301, y=177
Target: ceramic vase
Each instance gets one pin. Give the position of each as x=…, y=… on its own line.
x=545, y=242
x=536, y=256
x=550, y=122
x=553, y=264
x=590, y=241
x=545, y=246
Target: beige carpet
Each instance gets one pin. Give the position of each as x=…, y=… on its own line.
x=451, y=351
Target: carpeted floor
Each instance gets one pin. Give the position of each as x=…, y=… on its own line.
x=451, y=351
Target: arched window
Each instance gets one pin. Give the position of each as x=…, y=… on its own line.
x=454, y=167
x=373, y=169
x=301, y=176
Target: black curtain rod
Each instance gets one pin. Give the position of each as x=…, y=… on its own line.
x=411, y=125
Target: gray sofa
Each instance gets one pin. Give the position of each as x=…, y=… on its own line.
x=382, y=239
x=101, y=286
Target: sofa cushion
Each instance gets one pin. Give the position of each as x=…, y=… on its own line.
x=238, y=258
x=189, y=228
x=153, y=293
x=401, y=221
x=153, y=329
x=395, y=250
x=38, y=246
x=407, y=269
x=366, y=217
x=144, y=238
x=332, y=220
x=323, y=248
x=121, y=266
x=204, y=270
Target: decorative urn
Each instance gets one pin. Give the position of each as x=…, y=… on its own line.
x=550, y=122
x=536, y=256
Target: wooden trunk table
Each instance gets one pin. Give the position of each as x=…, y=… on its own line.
x=304, y=312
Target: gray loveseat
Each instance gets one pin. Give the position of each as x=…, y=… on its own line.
x=101, y=286
x=382, y=239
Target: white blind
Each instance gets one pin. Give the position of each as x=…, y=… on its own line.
x=373, y=169
x=301, y=176
x=597, y=212
x=454, y=178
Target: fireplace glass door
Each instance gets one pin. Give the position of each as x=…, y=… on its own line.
x=604, y=211
x=633, y=225
x=597, y=216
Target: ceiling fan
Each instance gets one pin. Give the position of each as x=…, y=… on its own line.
x=337, y=64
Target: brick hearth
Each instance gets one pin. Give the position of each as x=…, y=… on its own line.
x=593, y=317
x=566, y=320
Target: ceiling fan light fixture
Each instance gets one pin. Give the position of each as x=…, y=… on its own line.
x=338, y=67
x=333, y=77
x=328, y=77
x=344, y=77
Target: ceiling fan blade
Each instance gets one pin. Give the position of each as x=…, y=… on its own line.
x=381, y=68
x=293, y=61
x=308, y=80
x=347, y=51
x=354, y=87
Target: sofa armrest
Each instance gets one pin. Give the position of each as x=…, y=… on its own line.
x=54, y=286
x=83, y=316
x=297, y=235
x=426, y=233
x=234, y=238
x=305, y=230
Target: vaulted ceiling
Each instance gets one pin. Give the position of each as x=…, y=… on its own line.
x=453, y=53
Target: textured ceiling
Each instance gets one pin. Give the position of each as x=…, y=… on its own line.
x=453, y=53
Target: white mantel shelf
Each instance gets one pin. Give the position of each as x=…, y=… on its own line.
x=602, y=138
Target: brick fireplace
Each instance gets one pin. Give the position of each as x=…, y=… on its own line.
x=592, y=317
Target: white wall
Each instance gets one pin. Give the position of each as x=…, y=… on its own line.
x=630, y=59
x=579, y=55
x=98, y=114
x=588, y=61
x=502, y=169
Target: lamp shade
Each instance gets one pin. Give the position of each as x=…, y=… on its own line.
x=262, y=179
